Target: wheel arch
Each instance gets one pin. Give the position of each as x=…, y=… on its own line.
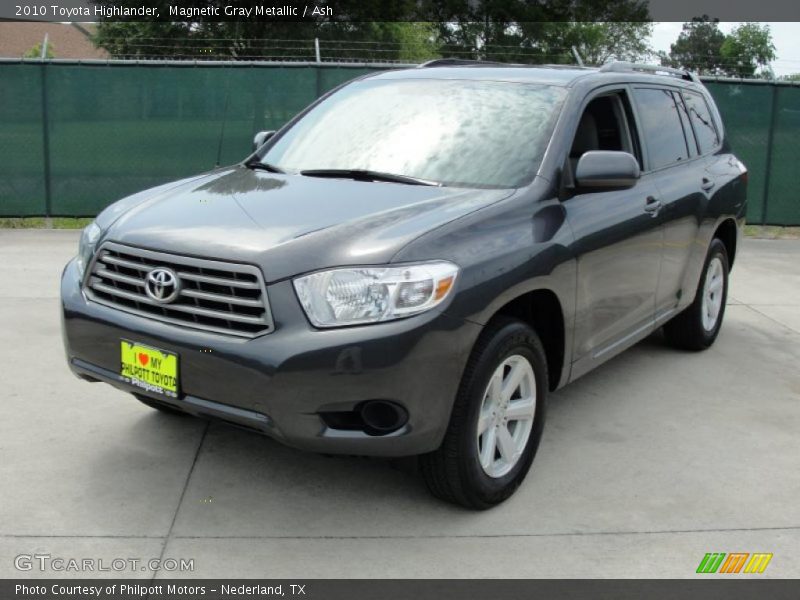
x=542, y=310
x=728, y=233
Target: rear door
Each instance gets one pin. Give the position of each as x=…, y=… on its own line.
x=679, y=174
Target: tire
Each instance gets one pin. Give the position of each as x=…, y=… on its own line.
x=454, y=471
x=691, y=329
x=160, y=406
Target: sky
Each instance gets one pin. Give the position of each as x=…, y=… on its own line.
x=785, y=36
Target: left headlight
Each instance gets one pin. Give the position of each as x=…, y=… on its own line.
x=87, y=245
x=354, y=296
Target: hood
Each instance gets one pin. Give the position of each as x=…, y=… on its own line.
x=288, y=224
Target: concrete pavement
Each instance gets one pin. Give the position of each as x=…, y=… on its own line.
x=646, y=464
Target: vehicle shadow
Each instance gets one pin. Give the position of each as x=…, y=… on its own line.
x=247, y=485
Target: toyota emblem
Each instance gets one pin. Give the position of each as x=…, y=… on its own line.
x=162, y=285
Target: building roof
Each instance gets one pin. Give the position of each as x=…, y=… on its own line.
x=67, y=40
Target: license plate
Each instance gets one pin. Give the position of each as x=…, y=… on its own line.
x=149, y=368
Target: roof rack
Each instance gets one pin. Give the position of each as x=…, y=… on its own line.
x=567, y=67
x=621, y=67
x=462, y=62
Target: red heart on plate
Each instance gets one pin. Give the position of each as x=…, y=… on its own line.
x=144, y=359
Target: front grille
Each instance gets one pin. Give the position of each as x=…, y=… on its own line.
x=216, y=296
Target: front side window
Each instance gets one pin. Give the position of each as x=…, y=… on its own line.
x=454, y=132
x=661, y=127
x=704, y=129
x=603, y=126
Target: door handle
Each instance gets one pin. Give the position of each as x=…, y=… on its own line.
x=707, y=184
x=652, y=205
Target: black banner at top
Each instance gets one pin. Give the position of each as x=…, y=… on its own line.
x=509, y=11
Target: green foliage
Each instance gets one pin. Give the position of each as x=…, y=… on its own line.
x=36, y=52
x=703, y=48
x=507, y=30
x=747, y=48
x=42, y=223
x=417, y=41
x=253, y=40
x=545, y=31
x=791, y=77
x=698, y=47
x=597, y=43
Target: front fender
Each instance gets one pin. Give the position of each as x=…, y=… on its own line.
x=506, y=251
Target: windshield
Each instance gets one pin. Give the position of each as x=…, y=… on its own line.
x=453, y=132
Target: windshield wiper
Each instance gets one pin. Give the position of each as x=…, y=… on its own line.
x=366, y=175
x=257, y=164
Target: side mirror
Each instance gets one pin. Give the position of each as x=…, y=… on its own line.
x=606, y=170
x=261, y=138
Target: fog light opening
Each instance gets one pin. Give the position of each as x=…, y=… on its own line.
x=381, y=417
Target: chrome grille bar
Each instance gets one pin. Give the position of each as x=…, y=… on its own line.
x=221, y=298
x=218, y=280
x=106, y=274
x=214, y=296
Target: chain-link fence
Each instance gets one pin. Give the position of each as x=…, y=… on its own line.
x=76, y=137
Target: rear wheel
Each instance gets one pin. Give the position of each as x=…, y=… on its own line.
x=497, y=419
x=698, y=325
x=163, y=407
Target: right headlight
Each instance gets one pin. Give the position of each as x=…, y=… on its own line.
x=354, y=296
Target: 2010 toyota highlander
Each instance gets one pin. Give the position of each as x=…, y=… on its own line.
x=413, y=263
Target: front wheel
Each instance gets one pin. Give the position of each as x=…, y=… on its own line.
x=697, y=327
x=497, y=419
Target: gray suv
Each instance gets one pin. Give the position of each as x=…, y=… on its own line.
x=417, y=260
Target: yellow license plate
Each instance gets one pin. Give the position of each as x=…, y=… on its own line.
x=149, y=368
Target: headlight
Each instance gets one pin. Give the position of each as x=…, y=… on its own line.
x=86, y=247
x=368, y=295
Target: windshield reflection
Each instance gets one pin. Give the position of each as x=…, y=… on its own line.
x=453, y=132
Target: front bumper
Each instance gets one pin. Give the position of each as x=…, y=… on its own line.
x=280, y=383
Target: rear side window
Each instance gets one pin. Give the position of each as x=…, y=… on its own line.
x=687, y=129
x=661, y=127
x=704, y=129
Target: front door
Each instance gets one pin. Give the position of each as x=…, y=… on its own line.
x=618, y=242
x=619, y=245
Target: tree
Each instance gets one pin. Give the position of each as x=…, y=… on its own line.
x=767, y=73
x=544, y=31
x=598, y=43
x=698, y=47
x=541, y=31
x=417, y=41
x=702, y=47
x=747, y=48
x=36, y=52
x=790, y=77
x=203, y=37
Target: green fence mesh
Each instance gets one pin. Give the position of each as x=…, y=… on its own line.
x=117, y=129
x=113, y=129
x=746, y=114
x=22, y=189
x=784, y=203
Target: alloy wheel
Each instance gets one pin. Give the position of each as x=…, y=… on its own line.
x=713, y=289
x=506, y=416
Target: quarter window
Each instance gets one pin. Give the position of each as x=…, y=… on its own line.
x=661, y=127
x=704, y=129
